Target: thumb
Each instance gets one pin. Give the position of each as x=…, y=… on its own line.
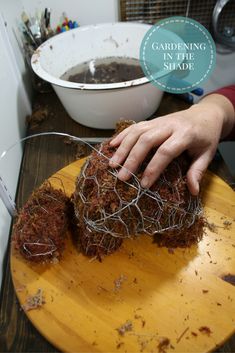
x=196, y=171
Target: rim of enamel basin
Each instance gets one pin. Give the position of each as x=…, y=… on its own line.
x=38, y=69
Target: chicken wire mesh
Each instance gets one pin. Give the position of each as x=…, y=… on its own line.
x=109, y=210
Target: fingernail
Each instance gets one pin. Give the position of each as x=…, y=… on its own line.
x=123, y=174
x=112, y=142
x=194, y=188
x=145, y=182
x=197, y=188
x=113, y=161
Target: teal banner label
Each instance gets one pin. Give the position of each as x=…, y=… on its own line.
x=177, y=54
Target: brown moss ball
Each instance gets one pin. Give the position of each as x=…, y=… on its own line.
x=40, y=229
x=109, y=210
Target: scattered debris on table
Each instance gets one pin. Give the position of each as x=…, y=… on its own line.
x=119, y=345
x=194, y=334
x=227, y=224
x=126, y=327
x=205, y=330
x=164, y=343
x=140, y=317
x=182, y=335
x=204, y=291
x=118, y=282
x=81, y=149
x=34, y=301
x=38, y=115
x=21, y=288
x=212, y=227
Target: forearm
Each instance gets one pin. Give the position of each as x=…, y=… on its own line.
x=224, y=110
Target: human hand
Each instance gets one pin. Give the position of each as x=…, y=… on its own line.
x=196, y=130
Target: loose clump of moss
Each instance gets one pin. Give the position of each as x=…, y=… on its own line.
x=40, y=229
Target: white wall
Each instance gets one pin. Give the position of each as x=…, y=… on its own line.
x=15, y=105
x=83, y=11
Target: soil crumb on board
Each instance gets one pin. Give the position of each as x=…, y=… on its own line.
x=164, y=343
x=21, y=288
x=119, y=345
x=34, y=301
x=205, y=330
x=118, y=282
x=194, y=334
x=205, y=291
x=227, y=224
x=140, y=317
x=212, y=227
x=126, y=327
x=182, y=335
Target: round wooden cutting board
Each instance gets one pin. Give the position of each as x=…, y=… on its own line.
x=171, y=301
